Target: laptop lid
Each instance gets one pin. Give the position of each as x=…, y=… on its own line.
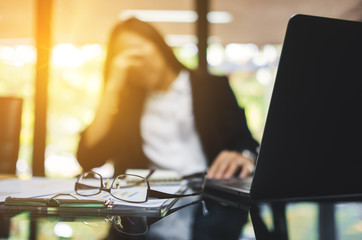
x=312, y=141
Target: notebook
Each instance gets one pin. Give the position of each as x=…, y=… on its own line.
x=312, y=140
x=157, y=176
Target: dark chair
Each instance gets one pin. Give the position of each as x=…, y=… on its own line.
x=10, y=124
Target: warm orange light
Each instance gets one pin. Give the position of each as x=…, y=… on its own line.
x=68, y=55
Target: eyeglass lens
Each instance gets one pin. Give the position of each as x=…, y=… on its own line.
x=131, y=188
x=89, y=184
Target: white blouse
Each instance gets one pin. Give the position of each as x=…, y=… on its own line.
x=170, y=138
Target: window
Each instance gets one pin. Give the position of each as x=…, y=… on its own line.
x=17, y=64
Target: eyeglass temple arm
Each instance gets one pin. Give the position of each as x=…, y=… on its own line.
x=163, y=195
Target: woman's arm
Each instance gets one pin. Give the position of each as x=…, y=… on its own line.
x=97, y=141
x=236, y=135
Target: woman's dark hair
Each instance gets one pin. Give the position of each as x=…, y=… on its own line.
x=145, y=30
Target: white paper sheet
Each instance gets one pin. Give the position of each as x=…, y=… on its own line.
x=34, y=187
x=39, y=187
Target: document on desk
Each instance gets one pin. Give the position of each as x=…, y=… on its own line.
x=34, y=187
x=151, y=203
x=39, y=187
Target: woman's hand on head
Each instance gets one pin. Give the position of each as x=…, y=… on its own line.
x=227, y=163
x=140, y=62
x=124, y=67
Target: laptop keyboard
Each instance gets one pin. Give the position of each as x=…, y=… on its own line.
x=236, y=182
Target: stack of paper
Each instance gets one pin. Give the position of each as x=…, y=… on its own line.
x=40, y=187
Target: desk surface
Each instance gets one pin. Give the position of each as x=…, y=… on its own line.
x=325, y=220
x=304, y=220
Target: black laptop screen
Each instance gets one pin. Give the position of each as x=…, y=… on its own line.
x=312, y=141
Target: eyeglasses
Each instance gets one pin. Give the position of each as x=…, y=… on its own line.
x=132, y=188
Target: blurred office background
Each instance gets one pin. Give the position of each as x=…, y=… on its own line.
x=52, y=53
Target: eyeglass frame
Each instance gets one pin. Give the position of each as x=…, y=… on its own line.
x=150, y=192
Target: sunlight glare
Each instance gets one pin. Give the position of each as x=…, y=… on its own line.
x=215, y=54
x=70, y=124
x=241, y=53
x=19, y=55
x=67, y=55
x=91, y=51
x=7, y=53
x=93, y=84
x=63, y=230
x=64, y=164
x=270, y=53
x=24, y=54
x=264, y=76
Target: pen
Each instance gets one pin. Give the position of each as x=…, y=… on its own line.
x=53, y=202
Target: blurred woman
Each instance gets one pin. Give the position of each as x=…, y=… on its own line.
x=156, y=113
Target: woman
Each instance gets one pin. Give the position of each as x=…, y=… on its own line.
x=155, y=112
x=140, y=62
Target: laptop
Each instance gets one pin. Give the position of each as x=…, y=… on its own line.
x=312, y=142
